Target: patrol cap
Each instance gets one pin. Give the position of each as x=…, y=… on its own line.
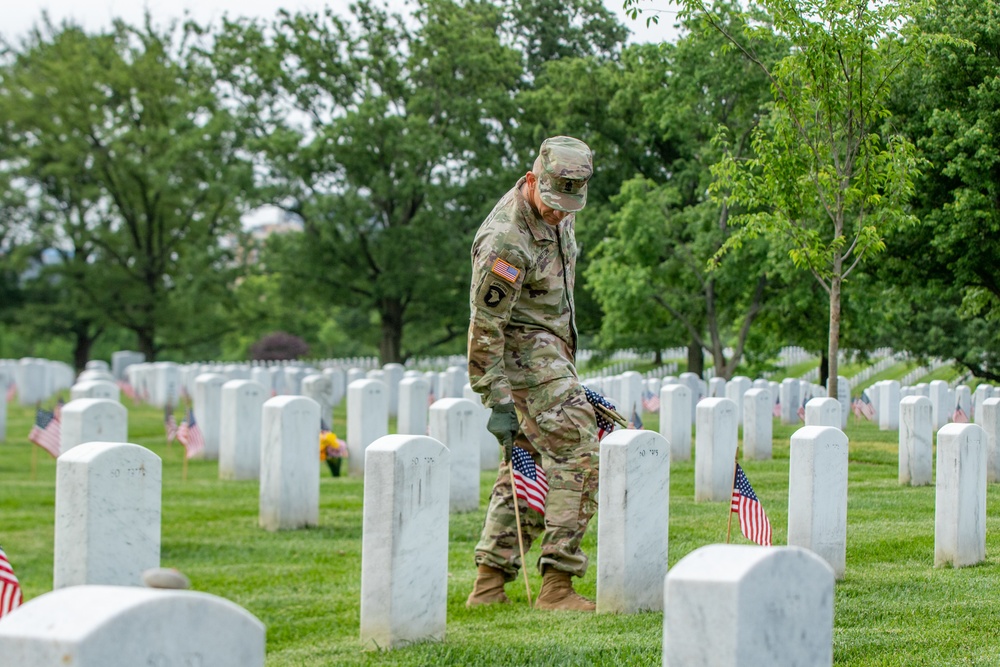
x=567, y=165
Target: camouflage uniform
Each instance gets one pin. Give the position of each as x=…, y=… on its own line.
x=522, y=345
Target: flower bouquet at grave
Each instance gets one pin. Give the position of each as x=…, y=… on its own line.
x=332, y=450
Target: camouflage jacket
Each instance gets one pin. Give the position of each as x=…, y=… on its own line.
x=522, y=331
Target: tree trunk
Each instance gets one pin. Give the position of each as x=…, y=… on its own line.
x=390, y=346
x=82, y=346
x=834, y=347
x=824, y=367
x=147, y=343
x=696, y=358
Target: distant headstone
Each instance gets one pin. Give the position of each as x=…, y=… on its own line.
x=916, y=441
x=823, y=412
x=989, y=419
x=208, y=410
x=453, y=423
x=675, y=420
x=758, y=424
x=414, y=394
x=391, y=375
x=122, y=359
x=95, y=389
x=844, y=396
x=289, y=463
x=319, y=388
x=715, y=450
x=489, y=450
x=367, y=419
x=404, y=545
x=888, y=411
x=31, y=376
x=338, y=383
x=729, y=605
x=107, y=527
x=735, y=389
x=790, y=399
x=631, y=393
x=817, y=494
x=717, y=387
x=6, y=378
x=239, y=433
x=960, y=496
x=92, y=420
x=100, y=626
x=940, y=404
x=632, y=526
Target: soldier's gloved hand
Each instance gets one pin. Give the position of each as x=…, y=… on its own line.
x=503, y=425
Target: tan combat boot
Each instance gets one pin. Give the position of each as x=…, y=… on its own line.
x=488, y=588
x=558, y=595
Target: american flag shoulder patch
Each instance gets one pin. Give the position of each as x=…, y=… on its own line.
x=505, y=270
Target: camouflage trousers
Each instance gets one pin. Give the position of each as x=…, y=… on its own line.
x=559, y=430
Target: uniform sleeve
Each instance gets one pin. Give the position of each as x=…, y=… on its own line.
x=497, y=277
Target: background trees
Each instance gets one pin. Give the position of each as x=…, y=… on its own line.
x=128, y=158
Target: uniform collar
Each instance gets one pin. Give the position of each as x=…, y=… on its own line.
x=540, y=230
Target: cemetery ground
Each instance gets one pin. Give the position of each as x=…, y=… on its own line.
x=892, y=608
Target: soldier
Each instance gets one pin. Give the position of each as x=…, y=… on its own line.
x=522, y=347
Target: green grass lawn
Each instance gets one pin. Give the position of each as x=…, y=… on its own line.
x=892, y=608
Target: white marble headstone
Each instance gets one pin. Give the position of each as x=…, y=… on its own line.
x=823, y=412
x=817, y=493
x=916, y=441
x=715, y=450
x=239, y=434
x=367, y=419
x=453, y=423
x=107, y=528
x=632, y=526
x=989, y=419
x=675, y=420
x=730, y=605
x=758, y=424
x=104, y=626
x=414, y=395
x=92, y=420
x=960, y=496
x=208, y=410
x=404, y=545
x=289, y=463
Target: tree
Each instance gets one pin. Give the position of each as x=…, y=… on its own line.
x=830, y=175
x=122, y=135
x=650, y=273
x=947, y=304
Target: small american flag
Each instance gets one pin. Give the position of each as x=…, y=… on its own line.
x=753, y=521
x=189, y=435
x=11, y=390
x=867, y=409
x=604, y=425
x=46, y=432
x=650, y=402
x=959, y=416
x=10, y=589
x=505, y=270
x=532, y=485
x=776, y=410
x=636, y=421
x=170, y=423
x=126, y=388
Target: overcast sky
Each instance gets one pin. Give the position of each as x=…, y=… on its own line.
x=18, y=16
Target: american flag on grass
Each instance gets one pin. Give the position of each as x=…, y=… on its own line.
x=753, y=521
x=604, y=425
x=650, y=402
x=11, y=390
x=866, y=407
x=532, y=485
x=126, y=388
x=10, y=589
x=959, y=416
x=635, y=421
x=170, y=423
x=46, y=431
x=189, y=435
